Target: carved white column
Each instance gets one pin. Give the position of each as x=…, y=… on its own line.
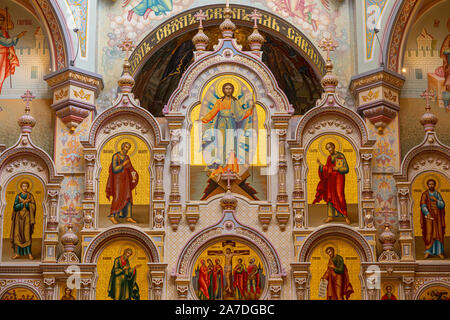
x=175, y=138
x=297, y=160
x=159, y=204
x=372, y=293
x=49, y=288
x=157, y=285
x=366, y=159
x=51, y=230
x=174, y=213
x=403, y=199
x=182, y=288
x=52, y=219
x=298, y=201
x=406, y=237
x=89, y=188
x=300, y=288
x=282, y=166
x=89, y=162
x=85, y=289
x=275, y=288
x=158, y=193
x=408, y=287
x=282, y=209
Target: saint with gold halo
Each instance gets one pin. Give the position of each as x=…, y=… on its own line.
x=228, y=124
x=122, y=179
x=23, y=221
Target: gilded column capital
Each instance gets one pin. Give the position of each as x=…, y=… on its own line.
x=74, y=94
x=377, y=94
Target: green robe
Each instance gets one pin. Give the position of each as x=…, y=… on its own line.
x=122, y=283
x=22, y=225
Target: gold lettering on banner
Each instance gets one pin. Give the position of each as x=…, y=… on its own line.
x=239, y=13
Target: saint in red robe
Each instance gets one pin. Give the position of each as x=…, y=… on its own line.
x=240, y=280
x=339, y=286
x=388, y=297
x=253, y=281
x=120, y=184
x=332, y=183
x=203, y=280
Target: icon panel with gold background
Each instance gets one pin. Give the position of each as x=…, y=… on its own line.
x=211, y=277
x=13, y=188
x=317, y=150
x=19, y=293
x=436, y=293
x=140, y=157
x=319, y=264
x=105, y=263
x=256, y=179
x=418, y=186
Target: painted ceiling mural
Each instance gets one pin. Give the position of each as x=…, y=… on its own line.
x=223, y=152
x=133, y=19
x=426, y=65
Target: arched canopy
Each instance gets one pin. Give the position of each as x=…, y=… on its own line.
x=103, y=239
x=334, y=230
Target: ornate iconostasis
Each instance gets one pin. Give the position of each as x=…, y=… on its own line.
x=188, y=150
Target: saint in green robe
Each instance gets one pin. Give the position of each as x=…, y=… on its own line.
x=22, y=225
x=122, y=283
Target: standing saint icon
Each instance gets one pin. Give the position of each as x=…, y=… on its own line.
x=122, y=179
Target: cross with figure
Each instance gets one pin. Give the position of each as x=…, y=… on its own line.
x=328, y=45
x=127, y=46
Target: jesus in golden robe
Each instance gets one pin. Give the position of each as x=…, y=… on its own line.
x=228, y=132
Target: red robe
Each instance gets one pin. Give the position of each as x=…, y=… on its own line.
x=203, y=280
x=120, y=184
x=240, y=280
x=7, y=66
x=385, y=297
x=331, y=187
x=339, y=286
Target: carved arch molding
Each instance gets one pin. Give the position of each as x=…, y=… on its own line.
x=186, y=22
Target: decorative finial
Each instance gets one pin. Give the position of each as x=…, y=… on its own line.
x=200, y=40
x=329, y=81
x=126, y=81
x=255, y=40
x=69, y=240
x=428, y=120
x=27, y=122
x=227, y=26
